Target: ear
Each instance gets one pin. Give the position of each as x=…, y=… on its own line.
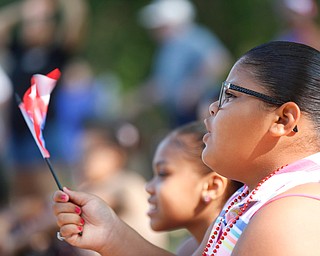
x=214, y=186
x=286, y=120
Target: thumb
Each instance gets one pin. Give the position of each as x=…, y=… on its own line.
x=79, y=198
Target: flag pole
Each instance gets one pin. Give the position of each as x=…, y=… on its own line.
x=53, y=173
x=18, y=99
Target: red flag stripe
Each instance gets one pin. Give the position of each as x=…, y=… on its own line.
x=35, y=105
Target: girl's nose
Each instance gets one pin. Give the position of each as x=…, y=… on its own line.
x=213, y=108
x=149, y=186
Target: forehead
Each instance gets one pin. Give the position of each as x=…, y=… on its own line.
x=168, y=149
x=165, y=146
x=242, y=76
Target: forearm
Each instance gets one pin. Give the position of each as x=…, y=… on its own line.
x=126, y=241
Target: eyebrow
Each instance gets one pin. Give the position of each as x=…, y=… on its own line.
x=160, y=163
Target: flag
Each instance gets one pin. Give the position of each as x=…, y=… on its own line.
x=34, y=106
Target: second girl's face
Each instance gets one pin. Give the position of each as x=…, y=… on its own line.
x=175, y=190
x=237, y=132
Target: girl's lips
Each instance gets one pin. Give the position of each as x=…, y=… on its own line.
x=152, y=210
x=206, y=136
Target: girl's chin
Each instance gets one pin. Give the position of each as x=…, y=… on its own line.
x=156, y=226
x=204, y=155
x=207, y=163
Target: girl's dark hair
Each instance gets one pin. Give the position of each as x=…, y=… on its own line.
x=289, y=72
x=189, y=138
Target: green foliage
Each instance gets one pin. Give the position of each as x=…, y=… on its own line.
x=239, y=24
x=117, y=43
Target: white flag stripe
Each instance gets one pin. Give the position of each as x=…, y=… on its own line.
x=31, y=128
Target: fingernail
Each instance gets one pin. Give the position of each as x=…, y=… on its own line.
x=80, y=228
x=66, y=189
x=63, y=197
x=78, y=210
x=82, y=221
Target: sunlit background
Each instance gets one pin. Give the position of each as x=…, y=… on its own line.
x=105, y=118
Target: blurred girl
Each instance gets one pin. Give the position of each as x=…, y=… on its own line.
x=184, y=192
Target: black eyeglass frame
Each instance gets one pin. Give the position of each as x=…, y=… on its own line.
x=227, y=85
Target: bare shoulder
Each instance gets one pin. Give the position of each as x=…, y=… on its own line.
x=286, y=226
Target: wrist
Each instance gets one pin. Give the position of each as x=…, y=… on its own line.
x=113, y=234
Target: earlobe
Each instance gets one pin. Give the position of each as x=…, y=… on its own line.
x=205, y=195
x=287, y=117
x=213, y=188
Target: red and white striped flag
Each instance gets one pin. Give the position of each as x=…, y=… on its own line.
x=35, y=103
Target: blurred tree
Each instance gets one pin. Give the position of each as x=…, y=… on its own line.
x=116, y=43
x=119, y=44
x=240, y=24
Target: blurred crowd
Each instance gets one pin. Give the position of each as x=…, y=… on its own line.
x=101, y=140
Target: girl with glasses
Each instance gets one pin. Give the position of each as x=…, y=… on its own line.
x=270, y=146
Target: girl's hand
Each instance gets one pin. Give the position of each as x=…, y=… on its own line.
x=85, y=220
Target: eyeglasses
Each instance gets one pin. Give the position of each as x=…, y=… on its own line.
x=226, y=86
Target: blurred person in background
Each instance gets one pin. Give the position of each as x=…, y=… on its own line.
x=300, y=22
x=40, y=35
x=36, y=36
x=103, y=171
x=28, y=228
x=189, y=58
x=5, y=95
x=81, y=97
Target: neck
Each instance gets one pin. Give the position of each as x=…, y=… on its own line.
x=199, y=226
x=263, y=168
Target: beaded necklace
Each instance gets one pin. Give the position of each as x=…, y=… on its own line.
x=223, y=233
